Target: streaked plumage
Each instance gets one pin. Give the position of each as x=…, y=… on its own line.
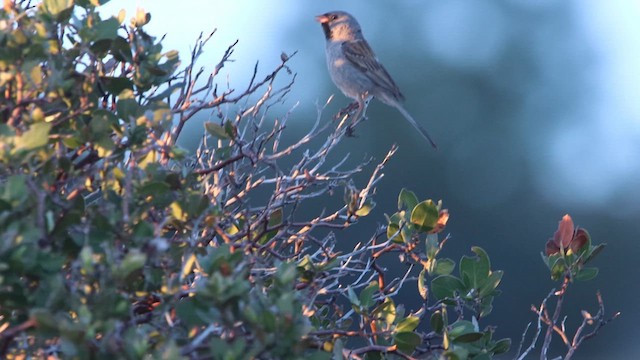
x=355, y=69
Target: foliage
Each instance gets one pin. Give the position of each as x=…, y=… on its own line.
x=116, y=243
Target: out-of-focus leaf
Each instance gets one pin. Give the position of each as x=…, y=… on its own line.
x=59, y=9
x=133, y=261
x=35, y=137
x=15, y=189
x=115, y=85
x=408, y=324
x=216, y=130
x=121, y=49
x=407, y=341
x=142, y=18
x=106, y=29
x=230, y=129
x=353, y=298
x=187, y=310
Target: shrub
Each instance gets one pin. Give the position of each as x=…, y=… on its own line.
x=116, y=243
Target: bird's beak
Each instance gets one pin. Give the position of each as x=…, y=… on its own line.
x=322, y=19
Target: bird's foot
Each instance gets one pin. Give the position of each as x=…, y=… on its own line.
x=346, y=110
x=351, y=128
x=350, y=131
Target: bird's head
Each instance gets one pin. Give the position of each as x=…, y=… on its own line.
x=339, y=26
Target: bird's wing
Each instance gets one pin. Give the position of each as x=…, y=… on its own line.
x=359, y=53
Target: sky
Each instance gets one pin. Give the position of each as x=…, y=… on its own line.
x=612, y=117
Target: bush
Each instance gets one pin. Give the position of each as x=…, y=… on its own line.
x=116, y=243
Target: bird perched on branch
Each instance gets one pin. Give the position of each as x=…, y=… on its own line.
x=355, y=69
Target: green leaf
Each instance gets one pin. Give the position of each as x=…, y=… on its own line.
x=425, y=215
x=154, y=188
x=437, y=322
x=133, y=261
x=366, y=296
x=407, y=341
x=166, y=93
x=587, y=273
x=408, y=324
x=461, y=327
x=45, y=319
x=318, y=355
x=353, y=298
x=558, y=267
x=468, y=337
x=593, y=252
x=187, y=310
x=407, y=232
x=432, y=246
x=422, y=285
x=127, y=107
x=121, y=49
x=230, y=129
x=444, y=266
x=35, y=137
x=286, y=273
x=115, y=85
x=366, y=208
x=386, y=310
x=446, y=286
x=475, y=269
x=491, y=283
x=107, y=29
x=15, y=189
x=501, y=346
x=275, y=218
x=216, y=130
x=393, y=227
x=58, y=9
x=481, y=356
x=407, y=200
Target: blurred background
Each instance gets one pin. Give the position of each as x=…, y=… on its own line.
x=535, y=106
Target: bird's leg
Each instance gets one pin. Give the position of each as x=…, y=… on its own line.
x=360, y=115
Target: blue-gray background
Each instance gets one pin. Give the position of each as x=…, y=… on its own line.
x=534, y=104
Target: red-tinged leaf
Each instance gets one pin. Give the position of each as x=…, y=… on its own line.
x=443, y=217
x=580, y=239
x=551, y=248
x=564, y=234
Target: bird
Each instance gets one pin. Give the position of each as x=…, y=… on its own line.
x=355, y=69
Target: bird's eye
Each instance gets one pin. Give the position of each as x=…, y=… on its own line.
x=333, y=17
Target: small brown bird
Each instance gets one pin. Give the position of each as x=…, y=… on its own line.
x=355, y=69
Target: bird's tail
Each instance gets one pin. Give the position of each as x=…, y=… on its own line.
x=416, y=125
